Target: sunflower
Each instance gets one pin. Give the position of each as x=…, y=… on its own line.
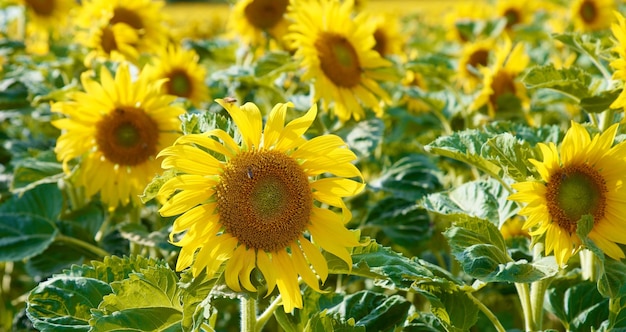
x=502, y=79
x=255, y=21
x=592, y=15
x=115, y=128
x=253, y=205
x=337, y=53
x=464, y=13
x=387, y=35
x=474, y=56
x=48, y=15
x=127, y=27
x=619, y=63
x=585, y=177
x=184, y=76
x=515, y=12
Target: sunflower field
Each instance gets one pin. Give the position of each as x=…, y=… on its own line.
x=312, y=165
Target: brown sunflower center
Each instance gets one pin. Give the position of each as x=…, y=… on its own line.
x=338, y=59
x=264, y=199
x=265, y=14
x=478, y=58
x=42, y=7
x=107, y=40
x=127, y=136
x=512, y=16
x=503, y=83
x=381, y=42
x=588, y=11
x=573, y=192
x=179, y=83
x=127, y=16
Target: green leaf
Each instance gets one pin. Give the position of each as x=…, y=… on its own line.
x=64, y=303
x=376, y=312
x=410, y=178
x=31, y=173
x=273, y=63
x=465, y=146
x=24, y=235
x=601, y=102
x=363, y=137
x=45, y=201
x=512, y=155
x=577, y=303
x=454, y=309
x=484, y=199
x=323, y=322
x=532, y=135
x=402, y=221
x=572, y=81
x=148, y=300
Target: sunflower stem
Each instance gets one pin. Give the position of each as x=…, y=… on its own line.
x=606, y=120
x=248, y=314
x=537, y=292
x=135, y=218
x=524, y=297
x=82, y=244
x=587, y=264
x=268, y=313
x=482, y=307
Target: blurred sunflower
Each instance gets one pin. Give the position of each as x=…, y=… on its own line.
x=337, y=53
x=125, y=27
x=501, y=82
x=255, y=21
x=619, y=63
x=184, y=76
x=514, y=228
x=115, y=128
x=592, y=15
x=414, y=82
x=48, y=15
x=585, y=177
x=464, y=15
x=474, y=56
x=252, y=206
x=387, y=35
x=515, y=12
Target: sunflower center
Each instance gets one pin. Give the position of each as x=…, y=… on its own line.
x=588, y=11
x=179, y=84
x=338, y=59
x=573, y=192
x=41, y=7
x=512, y=17
x=503, y=83
x=264, y=14
x=107, y=41
x=381, y=42
x=127, y=16
x=264, y=199
x=127, y=136
x=478, y=58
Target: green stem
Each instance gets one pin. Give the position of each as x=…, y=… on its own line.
x=494, y=320
x=537, y=292
x=587, y=265
x=82, y=244
x=607, y=120
x=268, y=313
x=614, y=309
x=524, y=297
x=248, y=314
x=135, y=218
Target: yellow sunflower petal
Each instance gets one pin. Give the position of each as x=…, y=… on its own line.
x=316, y=258
x=287, y=281
x=248, y=120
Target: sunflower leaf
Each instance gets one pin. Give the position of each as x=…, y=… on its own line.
x=376, y=312
x=148, y=300
x=454, y=309
x=465, y=146
x=601, y=102
x=577, y=303
x=65, y=301
x=403, y=222
x=410, y=178
x=571, y=81
x=512, y=155
x=322, y=322
x=23, y=235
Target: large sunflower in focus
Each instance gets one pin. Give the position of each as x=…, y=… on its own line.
x=257, y=20
x=592, y=15
x=337, y=53
x=115, y=130
x=184, y=76
x=122, y=27
x=252, y=204
x=585, y=177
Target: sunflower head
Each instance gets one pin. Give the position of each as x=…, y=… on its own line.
x=48, y=14
x=114, y=130
x=259, y=203
x=592, y=15
x=474, y=56
x=337, y=52
x=583, y=178
x=255, y=21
